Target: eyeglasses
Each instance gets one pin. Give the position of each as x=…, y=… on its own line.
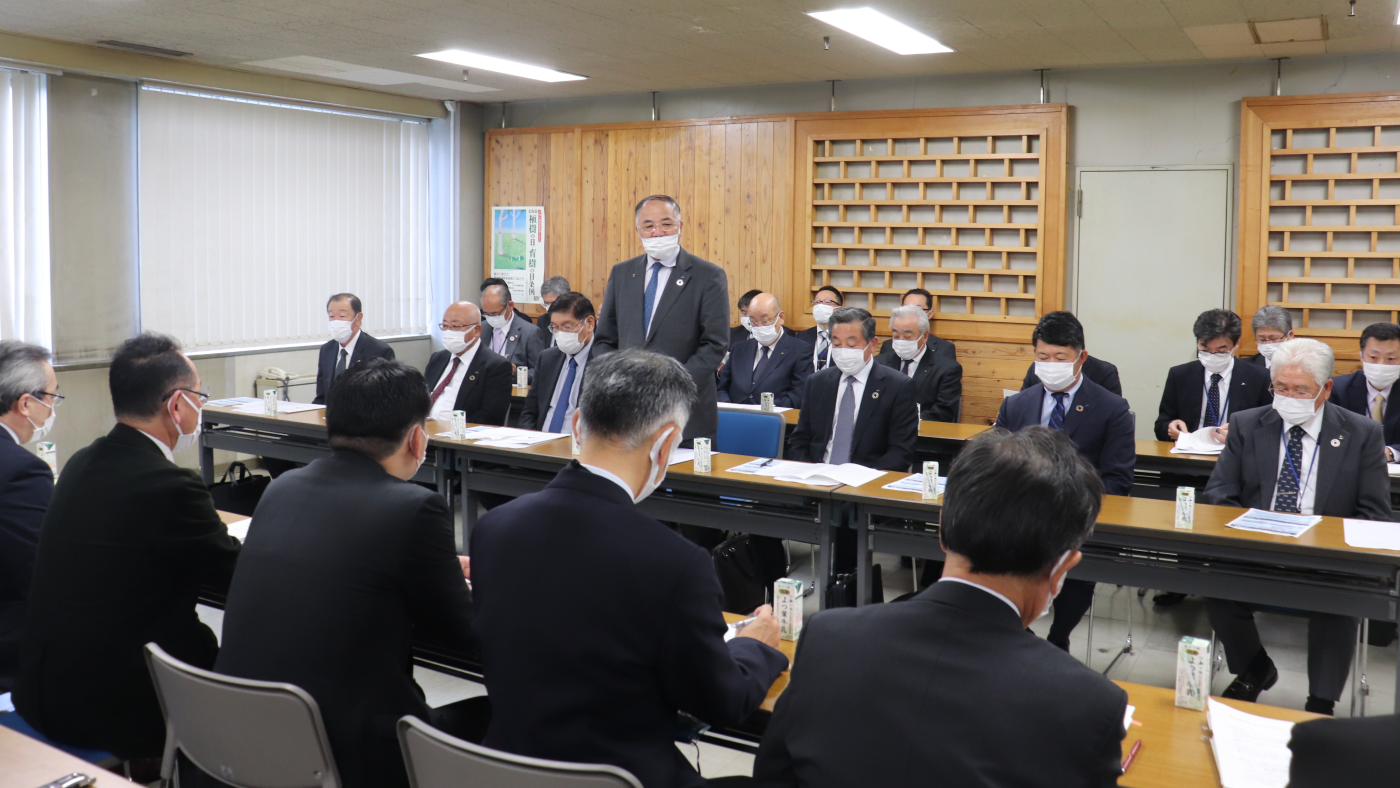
x=1292, y=394
x=456, y=327
x=832, y=302
x=567, y=328
x=39, y=395
x=203, y=398
x=665, y=227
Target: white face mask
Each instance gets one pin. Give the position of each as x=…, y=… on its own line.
x=41, y=431
x=1294, y=411
x=662, y=247
x=1380, y=375
x=905, y=348
x=746, y=323
x=456, y=342
x=342, y=330
x=423, y=455
x=1267, y=350
x=766, y=335
x=570, y=343
x=498, y=322
x=656, y=474
x=822, y=313
x=187, y=441
x=1050, y=600
x=1055, y=375
x=1215, y=363
x=848, y=359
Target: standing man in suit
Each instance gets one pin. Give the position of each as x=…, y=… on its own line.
x=551, y=403
x=915, y=352
x=1358, y=753
x=349, y=345
x=128, y=541
x=771, y=361
x=1096, y=419
x=1307, y=456
x=599, y=677
x=464, y=375
x=669, y=301
x=550, y=289
x=1368, y=390
x=508, y=333
x=28, y=406
x=827, y=300
x=948, y=683
x=1094, y=369
x=1204, y=392
x=744, y=330
x=370, y=560
x=1272, y=326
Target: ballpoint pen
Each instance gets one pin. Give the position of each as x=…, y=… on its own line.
x=1131, y=755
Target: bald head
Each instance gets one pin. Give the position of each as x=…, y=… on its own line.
x=461, y=315
x=766, y=318
x=765, y=305
x=496, y=299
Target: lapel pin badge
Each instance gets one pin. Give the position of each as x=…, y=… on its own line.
x=1079, y=408
x=680, y=283
x=1336, y=442
x=512, y=339
x=471, y=377
x=874, y=395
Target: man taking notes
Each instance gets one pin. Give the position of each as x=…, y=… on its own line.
x=551, y=403
x=1204, y=392
x=465, y=375
x=773, y=361
x=349, y=344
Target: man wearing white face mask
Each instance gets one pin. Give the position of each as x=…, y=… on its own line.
x=551, y=402
x=772, y=361
x=617, y=625
x=1368, y=391
x=465, y=375
x=991, y=704
x=349, y=344
x=508, y=333
x=1303, y=455
x=28, y=405
x=1204, y=392
x=915, y=352
x=129, y=540
x=824, y=303
x=744, y=330
x=1272, y=326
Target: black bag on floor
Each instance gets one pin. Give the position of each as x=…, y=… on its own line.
x=747, y=567
x=843, y=589
x=240, y=490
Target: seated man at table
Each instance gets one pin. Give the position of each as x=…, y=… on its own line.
x=1303, y=455
x=129, y=539
x=550, y=289
x=827, y=300
x=598, y=676
x=559, y=379
x=1094, y=369
x=772, y=361
x=508, y=333
x=465, y=375
x=741, y=332
x=1272, y=325
x=1204, y=392
x=923, y=299
x=946, y=688
x=1368, y=390
x=345, y=565
x=1096, y=419
x=349, y=345
x=1357, y=753
x=914, y=352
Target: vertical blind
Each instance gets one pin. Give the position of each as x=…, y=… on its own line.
x=253, y=213
x=25, y=307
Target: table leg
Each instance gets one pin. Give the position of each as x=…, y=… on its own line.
x=826, y=511
x=206, y=461
x=861, y=521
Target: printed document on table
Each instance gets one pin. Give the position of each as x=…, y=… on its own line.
x=817, y=474
x=512, y=438
x=1393, y=468
x=238, y=529
x=758, y=408
x=472, y=432
x=1371, y=535
x=232, y=401
x=1250, y=751
x=1202, y=441
x=681, y=455
x=1276, y=523
x=256, y=407
x=914, y=483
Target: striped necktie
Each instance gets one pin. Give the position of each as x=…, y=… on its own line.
x=1057, y=416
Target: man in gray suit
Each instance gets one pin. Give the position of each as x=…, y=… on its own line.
x=1304, y=455
x=508, y=333
x=669, y=301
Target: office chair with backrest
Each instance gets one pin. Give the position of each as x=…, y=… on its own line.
x=436, y=760
x=249, y=734
x=755, y=434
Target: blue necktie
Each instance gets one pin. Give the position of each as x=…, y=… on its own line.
x=1286, y=490
x=758, y=370
x=823, y=345
x=1057, y=416
x=1213, y=413
x=556, y=421
x=650, y=298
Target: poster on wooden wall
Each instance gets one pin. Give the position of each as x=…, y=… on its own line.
x=517, y=250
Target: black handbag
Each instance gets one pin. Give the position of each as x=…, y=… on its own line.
x=843, y=588
x=239, y=491
x=747, y=567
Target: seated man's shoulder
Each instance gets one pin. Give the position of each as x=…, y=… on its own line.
x=15, y=459
x=1115, y=403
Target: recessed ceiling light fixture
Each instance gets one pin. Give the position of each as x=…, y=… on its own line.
x=877, y=28
x=488, y=63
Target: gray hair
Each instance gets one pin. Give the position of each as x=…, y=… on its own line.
x=555, y=286
x=854, y=314
x=501, y=291
x=1314, y=357
x=1272, y=316
x=910, y=310
x=675, y=206
x=21, y=371
x=629, y=394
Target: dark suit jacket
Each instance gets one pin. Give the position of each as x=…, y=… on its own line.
x=1359, y=753
x=1351, y=476
x=937, y=380
x=1095, y=369
x=128, y=540
x=1185, y=391
x=948, y=683
x=485, y=391
x=809, y=336
x=26, y=485
x=537, y=399
x=366, y=347
x=524, y=342
x=598, y=677
x=1098, y=422
x=1258, y=360
x=789, y=366
x=886, y=428
x=370, y=561
x=1351, y=392
x=691, y=324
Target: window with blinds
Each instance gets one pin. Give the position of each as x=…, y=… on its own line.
x=25, y=311
x=252, y=213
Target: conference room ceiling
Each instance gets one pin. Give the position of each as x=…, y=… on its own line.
x=626, y=46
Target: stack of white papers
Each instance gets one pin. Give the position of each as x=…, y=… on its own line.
x=816, y=474
x=739, y=406
x=1128, y=717
x=256, y=407
x=238, y=529
x=1202, y=441
x=232, y=401
x=682, y=455
x=1371, y=535
x=512, y=438
x=1393, y=468
x=1276, y=523
x=914, y=483
x=1250, y=751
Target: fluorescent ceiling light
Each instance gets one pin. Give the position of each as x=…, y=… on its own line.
x=488, y=63
x=877, y=28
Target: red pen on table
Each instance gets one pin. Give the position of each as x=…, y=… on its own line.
x=1131, y=755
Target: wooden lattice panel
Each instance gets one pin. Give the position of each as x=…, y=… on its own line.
x=960, y=216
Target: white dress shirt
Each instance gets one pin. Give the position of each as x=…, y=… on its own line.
x=1307, y=478
x=610, y=476
x=349, y=351
x=858, y=391
x=667, y=266
x=1047, y=403
x=1224, y=395
x=163, y=448
x=447, y=400
x=758, y=354
x=996, y=594
x=913, y=368
x=1372, y=393
x=571, y=399
x=13, y=436
x=823, y=340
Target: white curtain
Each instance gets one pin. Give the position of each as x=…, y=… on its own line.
x=253, y=213
x=25, y=307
